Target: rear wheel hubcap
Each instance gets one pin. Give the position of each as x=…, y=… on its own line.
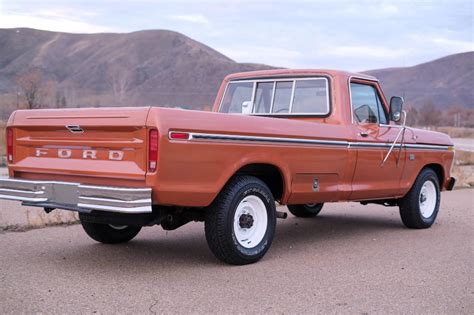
x=246, y=221
x=250, y=221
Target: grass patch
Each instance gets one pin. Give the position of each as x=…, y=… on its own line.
x=457, y=132
x=26, y=228
x=464, y=157
x=2, y=139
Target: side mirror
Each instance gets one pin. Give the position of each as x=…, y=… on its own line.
x=247, y=107
x=396, y=108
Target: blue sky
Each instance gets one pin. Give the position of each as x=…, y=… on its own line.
x=351, y=35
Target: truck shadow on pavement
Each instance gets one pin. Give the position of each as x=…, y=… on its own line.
x=168, y=251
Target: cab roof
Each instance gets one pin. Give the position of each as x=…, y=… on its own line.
x=295, y=73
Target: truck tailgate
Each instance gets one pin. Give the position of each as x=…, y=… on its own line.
x=86, y=143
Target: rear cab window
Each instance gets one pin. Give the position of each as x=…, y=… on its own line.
x=289, y=96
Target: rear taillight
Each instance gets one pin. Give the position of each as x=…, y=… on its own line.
x=179, y=135
x=153, y=150
x=10, y=145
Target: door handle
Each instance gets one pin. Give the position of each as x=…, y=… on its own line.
x=363, y=134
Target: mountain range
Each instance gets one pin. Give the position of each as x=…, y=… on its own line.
x=443, y=82
x=166, y=68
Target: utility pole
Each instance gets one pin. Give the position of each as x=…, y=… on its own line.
x=17, y=98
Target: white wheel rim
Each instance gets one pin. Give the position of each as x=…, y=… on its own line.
x=250, y=221
x=427, y=199
x=118, y=227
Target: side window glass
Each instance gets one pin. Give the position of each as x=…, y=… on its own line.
x=263, y=97
x=310, y=97
x=281, y=103
x=366, y=104
x=237, y=98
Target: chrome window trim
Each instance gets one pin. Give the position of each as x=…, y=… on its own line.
x=350, y=92
x=254, y=94
x=292, y=97
x=287, y=79
x=273, y=96
x=225, y=93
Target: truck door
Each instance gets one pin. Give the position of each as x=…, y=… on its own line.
x=372, y=137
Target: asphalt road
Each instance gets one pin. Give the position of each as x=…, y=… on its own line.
x=351, y=259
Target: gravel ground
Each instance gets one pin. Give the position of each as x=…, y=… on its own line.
x=351, y=259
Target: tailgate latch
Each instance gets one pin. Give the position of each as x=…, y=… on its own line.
x=74, y=128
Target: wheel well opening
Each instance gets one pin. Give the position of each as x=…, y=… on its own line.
x=267, y=173
x=438, y=169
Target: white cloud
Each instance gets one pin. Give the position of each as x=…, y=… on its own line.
x=370, y=8
x=263, y=54
x=389, y=8
x=367, y=51
x=193, y=18
x=51, y=20
x=435, y=42
x=454, y=45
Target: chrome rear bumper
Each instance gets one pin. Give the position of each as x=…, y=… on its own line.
x=76, y=196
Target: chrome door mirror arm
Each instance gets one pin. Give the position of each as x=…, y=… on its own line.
x=400, y=133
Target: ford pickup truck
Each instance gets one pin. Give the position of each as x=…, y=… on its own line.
x=299, y=138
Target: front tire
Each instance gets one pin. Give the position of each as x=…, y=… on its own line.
x=308, y=210
x=420, y=206
x=240, y=223
x=108, y=233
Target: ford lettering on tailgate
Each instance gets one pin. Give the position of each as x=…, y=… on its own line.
x=114, y=155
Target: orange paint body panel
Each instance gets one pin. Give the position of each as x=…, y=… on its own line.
x=319, y=159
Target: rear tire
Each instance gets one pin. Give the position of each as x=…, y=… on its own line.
x=240, y=223
x=110, y=234
x=308, y=210
x=420, y=206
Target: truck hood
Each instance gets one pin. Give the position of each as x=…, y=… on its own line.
x=423, y=136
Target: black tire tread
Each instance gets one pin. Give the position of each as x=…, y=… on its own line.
x=409, y=204
x=301, y=211
x=216, y=231
x=103, y=233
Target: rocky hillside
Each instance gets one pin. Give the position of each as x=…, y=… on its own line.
x=165, y=68
x=443, y=82
x=155, y=67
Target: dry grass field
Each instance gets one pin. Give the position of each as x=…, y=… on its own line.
x=2, y=140
x=457, y=132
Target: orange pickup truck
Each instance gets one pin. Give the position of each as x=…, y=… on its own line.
x=297, y=137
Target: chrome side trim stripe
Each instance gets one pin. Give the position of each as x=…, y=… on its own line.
x=303, y=141
x=203, y=136
x=405, y=145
